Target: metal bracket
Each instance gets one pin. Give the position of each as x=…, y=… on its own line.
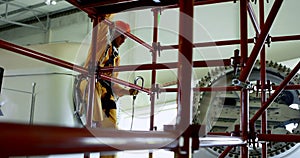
x=236, y=61
x=156, y=47
x=245, y=85
x=268, y=86
x=268, y=40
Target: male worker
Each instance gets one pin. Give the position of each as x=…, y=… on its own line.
x=109, y=89
x=107, y=54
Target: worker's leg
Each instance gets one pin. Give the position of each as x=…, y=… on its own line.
x=109, y=122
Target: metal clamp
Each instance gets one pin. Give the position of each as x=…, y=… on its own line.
x=156, y=47
x=236, y=61
x=245, y=85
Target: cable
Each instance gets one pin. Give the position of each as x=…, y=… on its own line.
x=134, y=97
x=132, y=114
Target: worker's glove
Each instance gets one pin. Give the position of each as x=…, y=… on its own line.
x=133, y=91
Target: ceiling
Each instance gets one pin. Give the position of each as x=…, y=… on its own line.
x=27, y=12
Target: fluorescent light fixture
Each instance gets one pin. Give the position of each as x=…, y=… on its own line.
x=50, y=2
x=156, y=1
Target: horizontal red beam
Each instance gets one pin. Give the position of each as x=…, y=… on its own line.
x=199, y=2
x=234, y=42
x=129, y=35
x=172, y=65
x=30, y=140
x=58, y=62
x=42, y=57
x=91, y=11
x=288, y=87
x=279, y=137
x=205, y=89
x=220, y=133
x=116, y=80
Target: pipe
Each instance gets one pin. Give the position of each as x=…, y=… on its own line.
x=226, y=151
x=129, y=35
x=279, y=137
x=153, y=73
x=116, y=80
x=233, y=42
x=39, y=56
x=32, y=105
x=32, y=140
x=205, y=89
x=275, y=94
x=92, y=80
x=58, y=62
x=260, y=41
x=288, y=87
x=263, y=78
x=92, y=12
x=244, y=100
x=172, y=65
x=185, y=62
x=185, y=54
x=198, y=2
x=253, y=18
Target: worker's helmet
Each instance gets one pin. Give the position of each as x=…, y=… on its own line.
x=123, y=26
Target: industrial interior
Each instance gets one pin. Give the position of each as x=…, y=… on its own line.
x=215, y=78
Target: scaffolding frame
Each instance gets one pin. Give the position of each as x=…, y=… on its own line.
x=80, y=140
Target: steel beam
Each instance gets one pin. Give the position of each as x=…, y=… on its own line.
x=154, y=62
x=42, y=57
x=279, y=137
x=129, y=35
x=172, y=65
x=253, y=18
x=90, y=11
x=244, y=100
x=92, y=69
x=233, y=42
x=263, y=79
x=31, y=140
x=58, y=62
x=260, y=41
x=185, y=64
x=226, y=151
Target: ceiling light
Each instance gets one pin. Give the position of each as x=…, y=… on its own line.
x=50, y=2
x=53, y=2
x=156, y=1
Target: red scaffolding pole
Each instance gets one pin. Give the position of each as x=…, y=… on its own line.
x=72, y=140
x=263, y=72
x=260, y=41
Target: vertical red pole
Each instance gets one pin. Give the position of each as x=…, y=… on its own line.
x=185, y=64
x=263, y=80
x=244, y=92
x=260, y=40
x=154, y=61
x=92, y=68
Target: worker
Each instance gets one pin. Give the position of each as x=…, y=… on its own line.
x=104, y=111
x=109, y=89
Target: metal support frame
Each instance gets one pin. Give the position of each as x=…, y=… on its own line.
x=81, y=140
x=36, y=13
x=264, y=150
